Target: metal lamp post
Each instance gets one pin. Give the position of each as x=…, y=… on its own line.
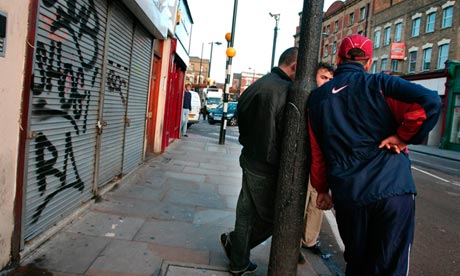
x=210, y=56
x=277, y=19
x=253, y=73
x=230, y=52
x=201, y=65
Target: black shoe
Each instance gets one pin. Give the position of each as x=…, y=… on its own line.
x=185, y=135
x=226, y=245
x=252, y=267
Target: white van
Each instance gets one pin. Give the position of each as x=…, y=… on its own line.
x=212, y=97
x=194, y=115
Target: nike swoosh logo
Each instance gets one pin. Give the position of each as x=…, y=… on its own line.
x=334, y=91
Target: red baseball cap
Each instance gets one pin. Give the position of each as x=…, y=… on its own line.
x=356, y=41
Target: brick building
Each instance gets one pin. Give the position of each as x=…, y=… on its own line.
x=341, y=20
x=414, y=36
x=193, y=70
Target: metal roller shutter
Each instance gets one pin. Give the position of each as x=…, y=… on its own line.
x=65, y=96
x=137, y=99
x=118, y=61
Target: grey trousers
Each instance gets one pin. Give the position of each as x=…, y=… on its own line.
x=254, y=215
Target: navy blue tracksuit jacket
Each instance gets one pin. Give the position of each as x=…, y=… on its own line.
x=348, y=118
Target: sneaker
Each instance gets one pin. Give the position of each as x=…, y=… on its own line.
x=226, y=245
x=252, y=267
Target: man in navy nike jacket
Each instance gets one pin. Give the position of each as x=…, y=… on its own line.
x=359, y=126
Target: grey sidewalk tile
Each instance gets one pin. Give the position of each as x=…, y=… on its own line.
x=186, y=163
x=219, y=166
x=144, y=209
x=188, y=270
x=225, y=219
x=126, y=257
x=224, y=180
x=186, y=176
x=204, y=199
x=140, y=191
x=231, y=201
x=191, y=186
x=104, y=225
x=68, y=252
x=201, y=171
x=231, y=190
x=180, y=254
x=216, y=148
x=181, y=234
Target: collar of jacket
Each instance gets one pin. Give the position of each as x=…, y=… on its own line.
x=349, y=67
x=281, y=73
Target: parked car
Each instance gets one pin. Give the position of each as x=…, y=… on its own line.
x=215, y=115
x=194, y=115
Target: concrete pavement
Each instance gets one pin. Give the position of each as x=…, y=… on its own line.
x=164, y=219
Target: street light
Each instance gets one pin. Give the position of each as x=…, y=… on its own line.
x=210, y=56
x=201, y=64
x=253, y=73
x=277, y=19
x=230, y=52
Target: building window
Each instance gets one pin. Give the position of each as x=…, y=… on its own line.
x=362, y=13
x=326, y=50
x=398, y=32
x=334, y=47
x=328, y=29
x=416, y=27
x=394, y=65
x=352, y=18
x=443, y=55
x=426, y=59
x=431, y=18
x=387, y=35
x=412, y=61
x=336, y=26
x=447, y=17
x=374, y=67
x=384, y=64
x=377, y=39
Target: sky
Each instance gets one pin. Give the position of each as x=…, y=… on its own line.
x=254, y=32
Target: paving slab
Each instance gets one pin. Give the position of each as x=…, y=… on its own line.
x=105, y=225
x=68, y=252
x=122, y=256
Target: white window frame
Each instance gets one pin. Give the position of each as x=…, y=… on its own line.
x=384, y=64
x=412, y=60
x=427, y=58
x=416, y=22
x=443, y=55
x=398, y=32
x=430, y=22
x=362, y=13
x=374, y=67
x=377, y=34
x=387, y=36
x=447, y=18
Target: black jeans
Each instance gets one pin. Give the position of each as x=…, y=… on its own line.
x=254, y=215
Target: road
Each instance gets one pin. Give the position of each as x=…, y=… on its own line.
x=436, y=248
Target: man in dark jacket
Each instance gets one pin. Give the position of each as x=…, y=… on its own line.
x=359, y=126
x=260, y=121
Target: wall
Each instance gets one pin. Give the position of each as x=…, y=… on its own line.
x=162, y=95
x=11, y=79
